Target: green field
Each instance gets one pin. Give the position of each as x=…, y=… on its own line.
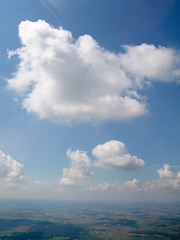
x=67, y=220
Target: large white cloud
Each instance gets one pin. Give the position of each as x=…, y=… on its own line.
x=114, y=155
x=67, y=80
x=79, y=168
x=10, y=169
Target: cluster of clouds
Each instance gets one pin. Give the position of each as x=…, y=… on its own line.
x=67, y=80
x=166, y=181
x=75, y=80
x=110, y=155
x=11, y=171
x=113, y=155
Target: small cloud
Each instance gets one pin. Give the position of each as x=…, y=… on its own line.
x=165, y=172
x=79, y=168
x=114, y=155
x=16, y=100
x=10, y=170
x=132, y=185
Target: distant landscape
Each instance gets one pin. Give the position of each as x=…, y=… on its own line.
x=58, y=220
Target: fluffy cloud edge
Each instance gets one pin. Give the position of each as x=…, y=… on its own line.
x=114, y=155
x=79, y=168
x=11, y=171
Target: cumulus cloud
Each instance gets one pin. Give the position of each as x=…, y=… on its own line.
x=165, y=172
x=114, y=155
x=66, y=80
x=79, y=169
x=10, y=169
x=167, y=179
x=147, y=61
x=111, y=155
x=132, y=185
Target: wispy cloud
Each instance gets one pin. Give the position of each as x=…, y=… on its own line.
x=128, y=186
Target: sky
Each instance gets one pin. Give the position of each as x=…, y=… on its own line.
x=89, y=99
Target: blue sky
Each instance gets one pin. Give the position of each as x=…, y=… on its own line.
x=90, y=110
